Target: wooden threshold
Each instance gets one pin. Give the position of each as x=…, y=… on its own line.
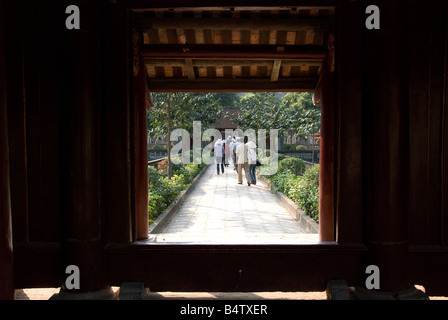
x=234, y=268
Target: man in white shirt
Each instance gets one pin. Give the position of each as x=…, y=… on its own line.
x=243, y=162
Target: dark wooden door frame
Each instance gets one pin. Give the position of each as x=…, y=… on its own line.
x=6, y=246
x=241, y=267
x=276, y=267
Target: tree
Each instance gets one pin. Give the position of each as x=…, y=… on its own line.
x=227, y=99
x=301, y=115
x=178, y=110
x=260, y=111
x=185, y=108
x=293, y=111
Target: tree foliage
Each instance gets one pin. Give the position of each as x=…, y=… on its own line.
x=185, y=108
x=301, y=115
x=260, y=111
x=294, y=111
x=227, y=99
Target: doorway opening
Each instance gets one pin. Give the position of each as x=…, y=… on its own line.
x=194, y=56
x=196, y=192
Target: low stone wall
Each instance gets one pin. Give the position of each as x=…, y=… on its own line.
x=305, y=221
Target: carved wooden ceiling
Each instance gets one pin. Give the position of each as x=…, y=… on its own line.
x=234, y=49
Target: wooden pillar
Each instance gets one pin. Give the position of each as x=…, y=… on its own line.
x=327, y=148
x=348, y=163
x=83, y=221
x=385, y=108
x=140, y=163
x=117, y=124
x=6, y=248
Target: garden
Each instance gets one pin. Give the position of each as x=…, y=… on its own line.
x=298, y=184
x=293, y=112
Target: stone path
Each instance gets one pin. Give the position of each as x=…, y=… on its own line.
x=219, y=210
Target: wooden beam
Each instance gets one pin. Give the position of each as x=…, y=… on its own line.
x=190, y=70
x=295, y=267
x=330, y=5
x=262, y=24
x=276, y=70
x=192, y=5
x=237, y=85
x=232, y=63
x=233, y=52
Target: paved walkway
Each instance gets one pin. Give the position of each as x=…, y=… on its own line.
x=219, y=210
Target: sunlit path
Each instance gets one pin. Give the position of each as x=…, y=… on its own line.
x=219, y=210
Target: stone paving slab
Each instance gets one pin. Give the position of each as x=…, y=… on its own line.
x=219, y=210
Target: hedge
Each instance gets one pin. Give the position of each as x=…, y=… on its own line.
x=295, y=165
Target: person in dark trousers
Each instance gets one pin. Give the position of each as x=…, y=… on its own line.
x=242, y=160
x=235, y=144
x=252, y=159
x=225, y=153
x=218, y=151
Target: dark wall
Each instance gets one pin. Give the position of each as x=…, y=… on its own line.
x=428, y=125
x=69, y=119
x=6, y=245
x=428, y=144
x=35, y=119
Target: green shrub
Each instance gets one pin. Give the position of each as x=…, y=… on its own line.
x=156, y=205
x=162, y=192
x=305, y=192
x=281, y=180
x=281, y=157
x=306, y=196
x=312, y=175
x=153, y=174
x=193, y=169
x=161, y=147
x=295, y=165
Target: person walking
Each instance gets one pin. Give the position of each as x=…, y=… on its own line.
x=225, y=155
x=252, y=159
x=218, y=151
x=242, y=160
x=234, y=146
x=232, y=157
